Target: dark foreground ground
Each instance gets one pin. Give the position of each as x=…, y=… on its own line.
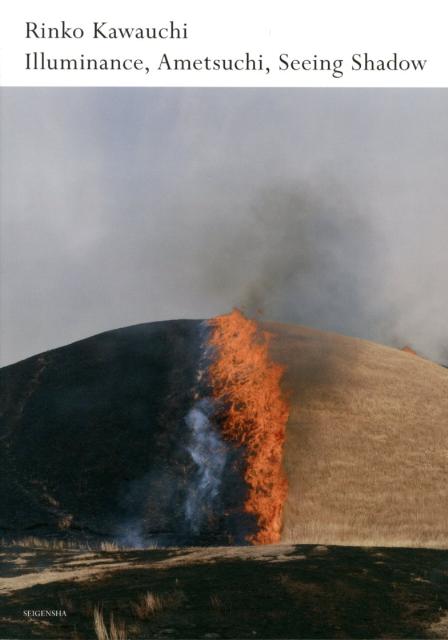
x=234, y=592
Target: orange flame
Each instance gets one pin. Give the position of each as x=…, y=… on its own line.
x=410, y=350
x=247, y=384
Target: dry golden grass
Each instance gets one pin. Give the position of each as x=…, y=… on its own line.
x=109, y=546
x=439, y=629
x=367, y=442
x=216, y=603
x=116, y=631
x=148, y=604
x=99, y=624
x=220, y=605
x=34, y=542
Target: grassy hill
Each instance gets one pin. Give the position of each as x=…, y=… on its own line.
x=367, y=442
x=94, y=439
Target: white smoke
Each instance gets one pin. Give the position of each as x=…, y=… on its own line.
x=130, y=534
x=209, y=454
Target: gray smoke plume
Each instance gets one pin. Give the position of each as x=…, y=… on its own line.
x=209, y=454
x=303, y=257
x=320, y=206
x=130, y=534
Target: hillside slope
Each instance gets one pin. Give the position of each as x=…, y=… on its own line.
x=94, y=440
x=90, y=434
x=367, y=443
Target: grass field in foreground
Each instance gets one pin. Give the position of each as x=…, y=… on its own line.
x=280, y=591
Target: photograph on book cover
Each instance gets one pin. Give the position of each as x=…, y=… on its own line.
x=224, y=393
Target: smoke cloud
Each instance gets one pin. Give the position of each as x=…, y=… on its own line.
x=322, y=207
x=209, y=454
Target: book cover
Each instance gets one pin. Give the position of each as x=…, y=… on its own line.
x=224, y=393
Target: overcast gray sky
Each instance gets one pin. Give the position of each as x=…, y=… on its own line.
x=324, y=207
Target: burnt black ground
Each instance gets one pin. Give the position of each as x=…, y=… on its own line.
x=93, y=437
x=294, y=592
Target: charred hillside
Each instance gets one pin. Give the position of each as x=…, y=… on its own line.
x=94, y=438
x=139, y=434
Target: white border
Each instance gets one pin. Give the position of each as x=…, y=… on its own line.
x=330, y=29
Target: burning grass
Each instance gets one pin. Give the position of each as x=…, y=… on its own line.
x=254, y=413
